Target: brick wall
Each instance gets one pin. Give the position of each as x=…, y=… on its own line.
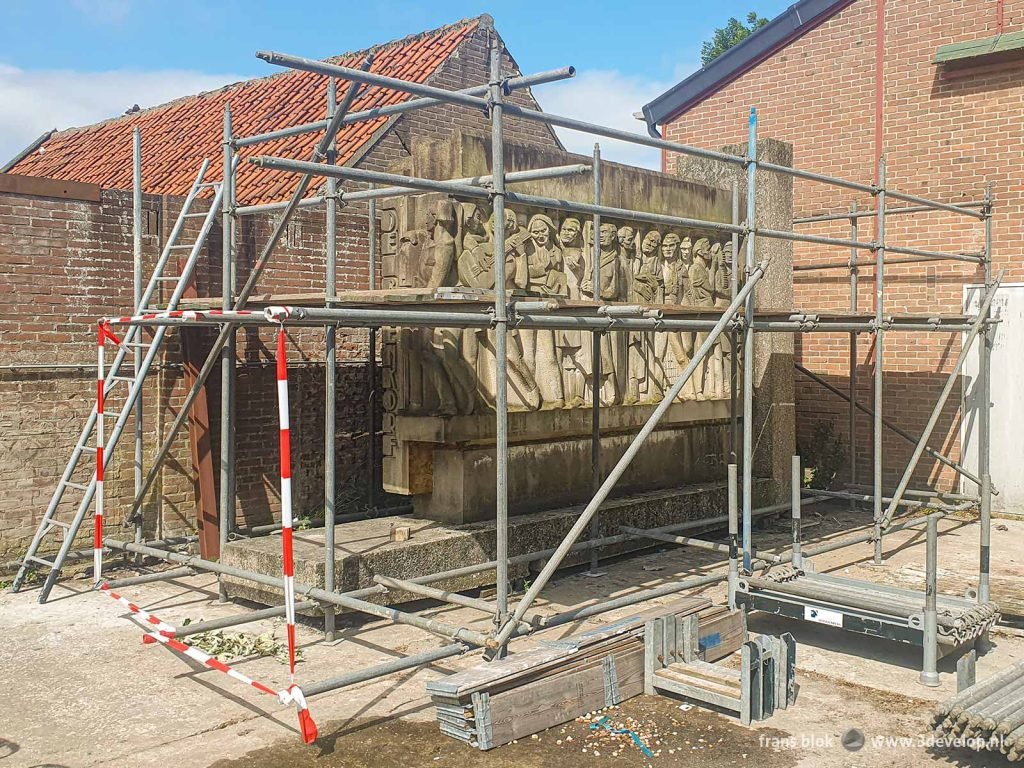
x=64, y=263
x=944, y=139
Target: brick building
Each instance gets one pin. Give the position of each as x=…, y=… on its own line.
x=66, y=260
x=951, y=96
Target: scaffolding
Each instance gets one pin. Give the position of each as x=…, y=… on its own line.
x=739, y=319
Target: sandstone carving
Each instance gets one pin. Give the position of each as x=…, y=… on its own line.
x=450, y=244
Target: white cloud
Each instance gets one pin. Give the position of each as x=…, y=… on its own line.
x=104, y=11
x=35, y=101
x=609, y=98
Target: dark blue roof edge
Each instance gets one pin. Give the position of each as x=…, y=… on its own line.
x=796, y=21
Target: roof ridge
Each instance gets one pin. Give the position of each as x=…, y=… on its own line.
x=395, y=43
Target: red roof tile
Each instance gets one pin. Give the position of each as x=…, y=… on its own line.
x=179, y=135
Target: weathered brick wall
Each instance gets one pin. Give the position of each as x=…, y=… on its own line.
x=65, y=263
x=944, y=139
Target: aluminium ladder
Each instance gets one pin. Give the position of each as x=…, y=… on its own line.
x=132, y=339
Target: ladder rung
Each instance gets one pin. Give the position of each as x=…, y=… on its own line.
x=34, y=559
x=179, y=247
x=130, y=379
x=77, y=486
x=196, y=215
x=139, y=344
x=169, y=277
x=62, y=524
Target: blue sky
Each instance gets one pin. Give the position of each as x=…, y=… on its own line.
x=73, y=62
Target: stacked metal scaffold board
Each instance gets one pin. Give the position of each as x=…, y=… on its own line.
x=739, y=317
x=762, y=681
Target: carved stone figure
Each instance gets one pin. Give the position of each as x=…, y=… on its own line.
x=544, y=275
x=703, y=292
x=722, y=262
x=677, y=291
x=647, y=379
x=613, y=348
x=476, y=270
x=569, y=343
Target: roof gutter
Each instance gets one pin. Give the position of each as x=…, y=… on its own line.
x=791, y=24
x=27, y=151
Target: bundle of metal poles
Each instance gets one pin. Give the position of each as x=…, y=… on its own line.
x=988, y=715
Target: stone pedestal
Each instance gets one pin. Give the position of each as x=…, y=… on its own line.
x=550, y=452
x=364, y=549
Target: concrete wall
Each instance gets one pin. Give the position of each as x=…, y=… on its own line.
x=944, y=138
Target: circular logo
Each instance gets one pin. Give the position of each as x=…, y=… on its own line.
x=853, y=740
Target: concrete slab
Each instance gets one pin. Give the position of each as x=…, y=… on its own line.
x=363, y=549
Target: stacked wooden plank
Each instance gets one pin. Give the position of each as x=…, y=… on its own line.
x=494, y=703
x=721, y=632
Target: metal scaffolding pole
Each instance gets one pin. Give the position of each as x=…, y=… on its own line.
x=376, y=193
x=734, y=535
x=495, y=103
x=464, y=99
x=509, y=85
x=595, y=353
x=228, y=330
x=734, y=276
x=371, y=364
x=876, y=463
x=930, y=628
x=933, y=419
x=330, y=370
x=630, y=453
x=795, y=488
x=383, y=669
x=910, y=438
x=370, y=78
x=138, y=285
x=852, y=413
x=871, y=213
x=313, y=593
x=865, y=263
x=747, y=461
x=211, y=625
x=985, y=415
x=228, y=354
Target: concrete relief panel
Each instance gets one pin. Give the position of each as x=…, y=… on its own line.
x=440, y=383
x=450, y=244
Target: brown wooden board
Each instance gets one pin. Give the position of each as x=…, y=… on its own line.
x=721, y=635
x=38, y=186
x=533, y=663
x=546, y=703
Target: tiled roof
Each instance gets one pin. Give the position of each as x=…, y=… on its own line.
x=177, y=136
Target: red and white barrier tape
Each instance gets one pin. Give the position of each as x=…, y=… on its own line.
x=185, y=314
x=165, y=635
x=286, y=496
x=163, y=628
x=103, y=335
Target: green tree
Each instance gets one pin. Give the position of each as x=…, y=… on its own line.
x=732, y=33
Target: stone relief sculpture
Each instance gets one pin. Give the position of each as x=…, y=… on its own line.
x=572, y=363
x=449, y=372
